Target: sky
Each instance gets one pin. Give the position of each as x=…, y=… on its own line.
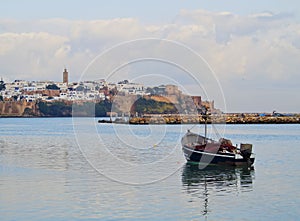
x=251, y=47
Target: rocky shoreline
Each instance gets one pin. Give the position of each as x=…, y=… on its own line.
x=218, y=119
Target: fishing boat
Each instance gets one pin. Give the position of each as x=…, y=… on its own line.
x=200, y=149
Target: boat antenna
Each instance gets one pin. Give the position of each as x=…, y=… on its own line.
x=203, y=112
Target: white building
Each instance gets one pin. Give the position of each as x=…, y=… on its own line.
x=17, y=85
x=62, y=86
x=33, y=97
x=63, y=95
x=131, y=88
x=40, y=85
x=29, y=88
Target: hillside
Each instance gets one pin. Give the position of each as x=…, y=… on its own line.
x=80, y=109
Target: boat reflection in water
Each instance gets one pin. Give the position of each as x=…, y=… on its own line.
x=215, y=180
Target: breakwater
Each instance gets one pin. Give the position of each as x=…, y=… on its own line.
x=212, y=119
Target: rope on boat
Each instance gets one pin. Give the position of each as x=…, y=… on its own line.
x=192, y=127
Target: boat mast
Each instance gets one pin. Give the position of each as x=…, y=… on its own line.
x=205, y=133
x=205, y=126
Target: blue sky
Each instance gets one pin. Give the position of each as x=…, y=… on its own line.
x=150, y=11
x=252, y=46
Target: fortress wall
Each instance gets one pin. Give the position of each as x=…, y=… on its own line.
x=16, y=108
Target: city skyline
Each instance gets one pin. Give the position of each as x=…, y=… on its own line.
x=252, y=49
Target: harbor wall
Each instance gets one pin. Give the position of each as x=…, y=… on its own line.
x=220, y=119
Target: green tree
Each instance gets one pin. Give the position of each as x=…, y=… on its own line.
x=2, y=85
x=80, y=88
x=1, y=98
x=102, y=108
x=52, y=87
x=149, y=106
x=150, y=91
x=15, y=97
x=28, y=112
x=86, y=109
x=55, y=109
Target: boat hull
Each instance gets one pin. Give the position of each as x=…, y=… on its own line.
x=203, y=157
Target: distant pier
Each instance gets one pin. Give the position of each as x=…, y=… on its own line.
x=241, y=118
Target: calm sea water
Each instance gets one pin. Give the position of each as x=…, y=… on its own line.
x=59, y=169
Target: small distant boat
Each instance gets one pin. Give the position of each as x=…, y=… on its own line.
x=200, y=149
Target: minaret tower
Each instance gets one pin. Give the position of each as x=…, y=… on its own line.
x=65, y=76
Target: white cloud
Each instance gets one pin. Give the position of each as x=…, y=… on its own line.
x=30, y=54
x=260, y=49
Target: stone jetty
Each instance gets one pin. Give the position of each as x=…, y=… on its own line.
x=212, y=119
